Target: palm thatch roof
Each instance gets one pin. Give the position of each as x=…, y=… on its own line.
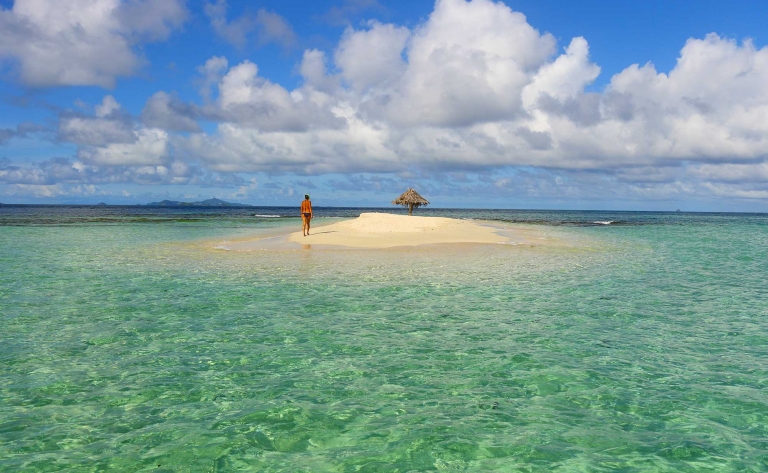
x=410, y=199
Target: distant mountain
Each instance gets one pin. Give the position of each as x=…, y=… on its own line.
x=202, y=203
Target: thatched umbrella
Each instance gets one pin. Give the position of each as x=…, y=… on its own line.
x=410, y=199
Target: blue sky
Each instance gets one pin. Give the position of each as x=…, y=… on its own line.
x=519, y=104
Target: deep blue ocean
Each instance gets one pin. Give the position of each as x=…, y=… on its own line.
x=625, y=341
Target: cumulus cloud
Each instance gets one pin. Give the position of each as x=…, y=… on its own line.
x=234, y=148
x=149, y=147
x=474, y=88
x=372, y=57
x=732, y=173
x=48, y=191
x=75, y=172
x=107, y=107
x=22, y=130
x=92, y=131
x=166, y=111
x=477, y=87
x=564, y=78
x=83, y=42
x=314, y=70
x=273, y=28
x=151, y=19
x=726, y=190
x=210, y=73
x=232, y=31
x=112, y=137
x=468, y=64
x=108, y=126
x=249, y=100
x=266, y=26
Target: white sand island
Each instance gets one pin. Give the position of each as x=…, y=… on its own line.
x=381, y=230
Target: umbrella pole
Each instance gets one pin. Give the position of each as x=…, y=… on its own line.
x=410, y=209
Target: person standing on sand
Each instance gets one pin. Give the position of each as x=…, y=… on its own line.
x=306, y=214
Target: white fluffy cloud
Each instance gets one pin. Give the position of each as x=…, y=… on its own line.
x=564, y=78
x=166, y=111
x=373, y=57
x=91, y=131
x=83, y=42
x=476, y=87
x=149, y=148
x=250, y=100
x=108, y=126
x=107, y=107
x=113, y=138
x=235, y=148
x=467, y=64
x=210, y=73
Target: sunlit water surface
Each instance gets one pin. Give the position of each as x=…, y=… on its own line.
x=129, y=344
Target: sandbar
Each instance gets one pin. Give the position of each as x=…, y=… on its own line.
x=380, y=231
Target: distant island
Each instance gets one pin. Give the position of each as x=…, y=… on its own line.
x=203, y=203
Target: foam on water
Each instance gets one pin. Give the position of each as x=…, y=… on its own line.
x=136, y=347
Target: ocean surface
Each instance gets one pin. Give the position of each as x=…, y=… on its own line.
x=638, y=342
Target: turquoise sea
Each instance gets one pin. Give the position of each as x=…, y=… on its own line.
x=128, y=343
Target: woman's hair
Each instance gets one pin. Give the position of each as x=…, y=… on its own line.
x=306, y=196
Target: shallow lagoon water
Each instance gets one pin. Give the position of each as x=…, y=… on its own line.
x=130, y=344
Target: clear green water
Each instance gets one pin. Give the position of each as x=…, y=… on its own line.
x=131, y=346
